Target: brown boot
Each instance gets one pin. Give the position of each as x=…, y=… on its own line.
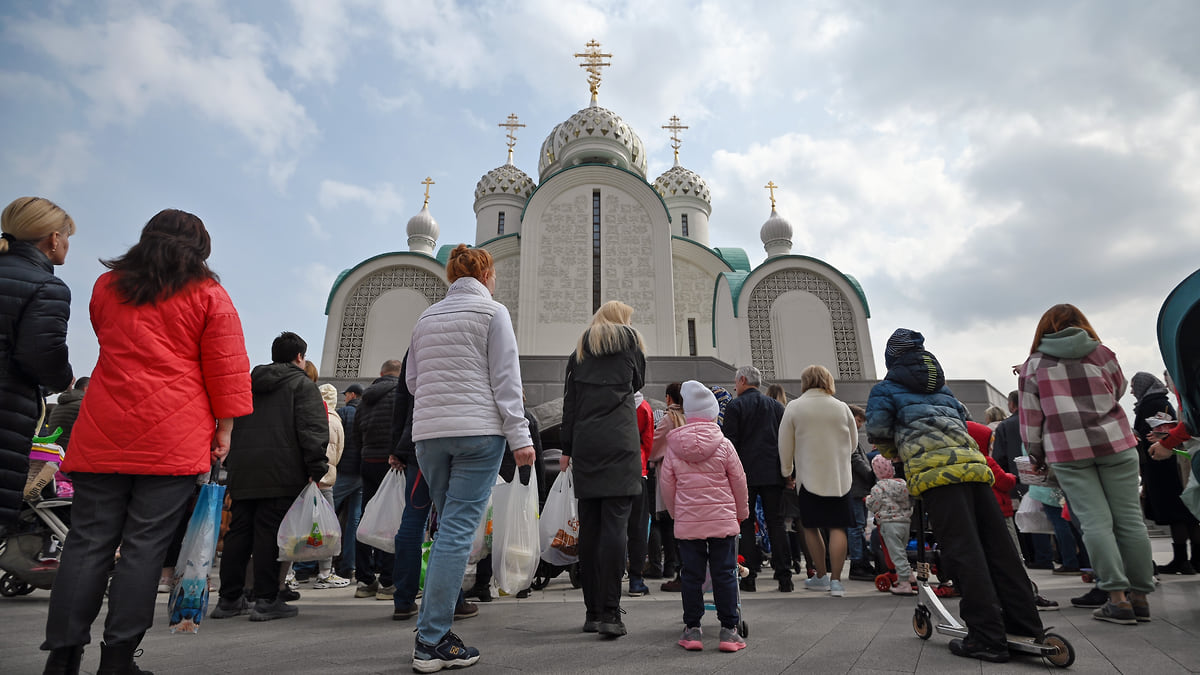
x=41, y=473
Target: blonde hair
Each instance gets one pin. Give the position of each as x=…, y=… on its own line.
x=994, y=413
x=608, y=332
x=776, y=392
x=33, y=219
x=817, y=377
x=468, y=262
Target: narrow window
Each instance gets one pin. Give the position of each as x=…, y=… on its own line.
x=595, y=250
x=691, y=335
x=500, y=224
x=683, y=219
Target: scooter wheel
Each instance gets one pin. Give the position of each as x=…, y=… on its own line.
x=1088, y=578
x=11, y=586
x=922, y=625
x=883, y=583
x=743, y=629
x=1064, y=654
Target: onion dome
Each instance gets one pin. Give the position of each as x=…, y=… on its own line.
x=422, y=232
x=592, y=135
x=776, y=235
x=680, y=182
x=505, y=180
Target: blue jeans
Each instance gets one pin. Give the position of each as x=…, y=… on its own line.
x=347, y=489
x=1066, y=537
x=718, y=556
x=854, y=535
x=410, y=536
x=461, y=472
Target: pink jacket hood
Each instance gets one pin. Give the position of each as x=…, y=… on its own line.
x=702, y=483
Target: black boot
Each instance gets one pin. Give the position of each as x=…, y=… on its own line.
x=1180, y=564
x=64, y=661
x=117, y=659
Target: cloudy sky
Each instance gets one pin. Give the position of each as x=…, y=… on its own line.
x=970, y=163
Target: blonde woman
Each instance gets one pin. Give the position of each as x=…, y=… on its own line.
x=600, y=440
x=817, y=436
x=34, y=307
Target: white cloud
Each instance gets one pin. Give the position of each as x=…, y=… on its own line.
x=381, y=200
x=382, y=103
x=323, y=40
x=315, y=228
x=67, y=161
x=27, y=87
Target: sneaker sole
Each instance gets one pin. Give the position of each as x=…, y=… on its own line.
x=611, y=631
x=636, y=594
x=837, y=594
x=692, y=645
x=731, y=646
x=1113, y=619
x=434, y=665
x=1048, y=609
x=218, y=614
x=270, y=617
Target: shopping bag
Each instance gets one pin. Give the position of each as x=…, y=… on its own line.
x=1027, y=475
x=559, y=523
x=189, y=592
x=481, y=546
x=381, y=518
x=1032, y=519
x=310, y=529
x=425, y=548
x=515, y=544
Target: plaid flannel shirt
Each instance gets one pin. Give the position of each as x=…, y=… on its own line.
x=1069, y=407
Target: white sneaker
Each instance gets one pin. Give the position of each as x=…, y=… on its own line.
x=331, y=581
x=291, y=582
x=836, y=589
x=818, y=583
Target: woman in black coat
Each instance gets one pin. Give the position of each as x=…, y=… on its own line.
x=34, y=308
x=600, y=440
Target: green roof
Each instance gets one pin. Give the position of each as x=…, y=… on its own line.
x=443, y=254
x=736, y=257
x=345, y=273
x=738, y=279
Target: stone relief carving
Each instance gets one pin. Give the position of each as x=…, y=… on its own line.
x=627, y=256
x=693, y=298
x=508, y=285
x=841, y=313
x=564, y=260
x=358, y=306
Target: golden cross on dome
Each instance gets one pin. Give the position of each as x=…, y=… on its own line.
x=427, y=182
x=593, y=61
x=512, y=125
x=772, y=187
x=675, y=127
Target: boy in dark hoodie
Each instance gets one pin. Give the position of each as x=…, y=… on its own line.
x=914, y=415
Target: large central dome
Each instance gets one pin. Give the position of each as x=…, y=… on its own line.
x=592, y=135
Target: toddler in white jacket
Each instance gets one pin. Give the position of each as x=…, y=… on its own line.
x=892, y=506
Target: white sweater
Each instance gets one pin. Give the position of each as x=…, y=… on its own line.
x=817, y=436
x=463, y=369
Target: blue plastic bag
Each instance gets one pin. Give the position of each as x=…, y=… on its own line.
x=189, y=596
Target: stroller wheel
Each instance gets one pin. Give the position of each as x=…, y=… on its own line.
x=743, y=628
x=11, y=586
x=573, y=575
x=539, y=582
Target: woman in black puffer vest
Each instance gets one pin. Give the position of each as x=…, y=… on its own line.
x=34, y=308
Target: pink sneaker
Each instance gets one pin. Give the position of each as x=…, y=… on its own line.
x=731, y=641
x=900, y=588
x=690, y=640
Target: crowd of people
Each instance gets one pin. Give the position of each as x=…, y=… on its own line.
x=704, y=488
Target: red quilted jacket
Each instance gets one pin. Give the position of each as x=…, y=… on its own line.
x=1004, y=482
x=167, y=371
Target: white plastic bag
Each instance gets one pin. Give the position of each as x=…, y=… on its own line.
x=515, y=544
x=1031, y=517
x=310, y=529
x=381, y=518
x=559, y=523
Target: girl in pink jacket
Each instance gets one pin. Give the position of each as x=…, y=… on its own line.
x=704, y=489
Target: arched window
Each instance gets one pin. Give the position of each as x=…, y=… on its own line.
x=500, y=224
x=683, y=221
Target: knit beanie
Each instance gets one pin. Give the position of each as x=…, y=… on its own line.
x=883, y=467
x=902, y=340
x=699, y=402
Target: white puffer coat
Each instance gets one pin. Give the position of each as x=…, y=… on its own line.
x=464, y=370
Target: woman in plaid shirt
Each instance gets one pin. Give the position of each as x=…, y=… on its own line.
x=1070, y=418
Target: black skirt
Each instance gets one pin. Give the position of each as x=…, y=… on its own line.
x=818, y=512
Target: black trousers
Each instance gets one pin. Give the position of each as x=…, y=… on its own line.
x=252, y=531
x=368, y=560
x=997, y=597
x=603, y=531
x=638, y=534
x=781, y=558
x=138, y=513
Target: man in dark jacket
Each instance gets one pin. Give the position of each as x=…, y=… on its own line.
x=1036, y=549
x=862, y=478
x=347, y=488
x=67, y=410
x=373, y=436
x=273, y=453
x=752, y=425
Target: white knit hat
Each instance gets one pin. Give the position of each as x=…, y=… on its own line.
x=699, y=401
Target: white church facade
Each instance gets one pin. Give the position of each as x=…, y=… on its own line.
x=595, y=227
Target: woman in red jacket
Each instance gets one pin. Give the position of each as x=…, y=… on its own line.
x=171, y=376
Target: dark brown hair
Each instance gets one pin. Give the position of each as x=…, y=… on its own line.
x=468, y=262
x=1061, y=317
x=171, y=254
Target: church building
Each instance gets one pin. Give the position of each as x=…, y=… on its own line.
x=592, y=227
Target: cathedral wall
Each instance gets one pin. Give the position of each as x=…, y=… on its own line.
x=732, y=337
x=801, y=334
x=390, y=323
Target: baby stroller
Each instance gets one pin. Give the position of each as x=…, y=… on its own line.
x=1053, y=647
x=19, y=552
